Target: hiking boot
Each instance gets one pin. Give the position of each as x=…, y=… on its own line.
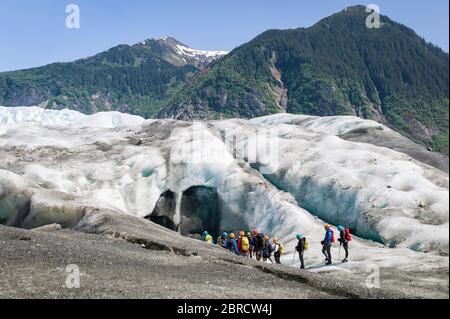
x=344, y=260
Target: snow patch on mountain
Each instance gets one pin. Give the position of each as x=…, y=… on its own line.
x=184, y=53
x=199, y=54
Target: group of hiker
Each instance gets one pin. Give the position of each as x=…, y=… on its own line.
x=250, y=244
x=258, y=245
x=344, y=238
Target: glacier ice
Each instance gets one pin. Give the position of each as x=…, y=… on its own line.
x=34, y=114
x=372, y=190
x=57, y=167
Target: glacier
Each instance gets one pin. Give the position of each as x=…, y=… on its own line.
x=62, y=166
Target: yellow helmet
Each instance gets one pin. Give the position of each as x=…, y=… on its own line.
x=327, y=226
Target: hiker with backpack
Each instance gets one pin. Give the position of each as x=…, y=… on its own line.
x=278, y=250
x=267, y=249
x=250, y=239
x=326, y=244
x=243, y=244
x=302, y=245
x=259, y=245
x=344, y=238
x=222, y=240
x=231, y=243
x=207, y=237
x=253, y=242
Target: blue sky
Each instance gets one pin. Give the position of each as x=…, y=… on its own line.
x=33, y=33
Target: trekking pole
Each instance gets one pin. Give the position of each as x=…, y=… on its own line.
x=293, y=259
x=340, y=246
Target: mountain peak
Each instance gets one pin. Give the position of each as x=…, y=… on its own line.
x=356, y=8
x=178, y=53
x=355, y=12
x=337, y=66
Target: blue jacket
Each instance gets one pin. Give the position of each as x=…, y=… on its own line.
x=234, y=247
x=328, y=236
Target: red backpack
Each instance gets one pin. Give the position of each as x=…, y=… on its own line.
x=239, y=243
x=348, y=237
x=332, y=235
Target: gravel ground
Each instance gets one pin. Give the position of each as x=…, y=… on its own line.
x=34, y=266
x=128, y=257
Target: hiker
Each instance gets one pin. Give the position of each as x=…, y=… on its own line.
x=222, y=240
x=243, y=244
x=267, y=249
x=326, y=244
x=344, y=238
x=259, y=245
x=300, y=248
x=250, y=240
x=278, y=250
x=253, y=242
x=207, y=237
x=230, y=242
